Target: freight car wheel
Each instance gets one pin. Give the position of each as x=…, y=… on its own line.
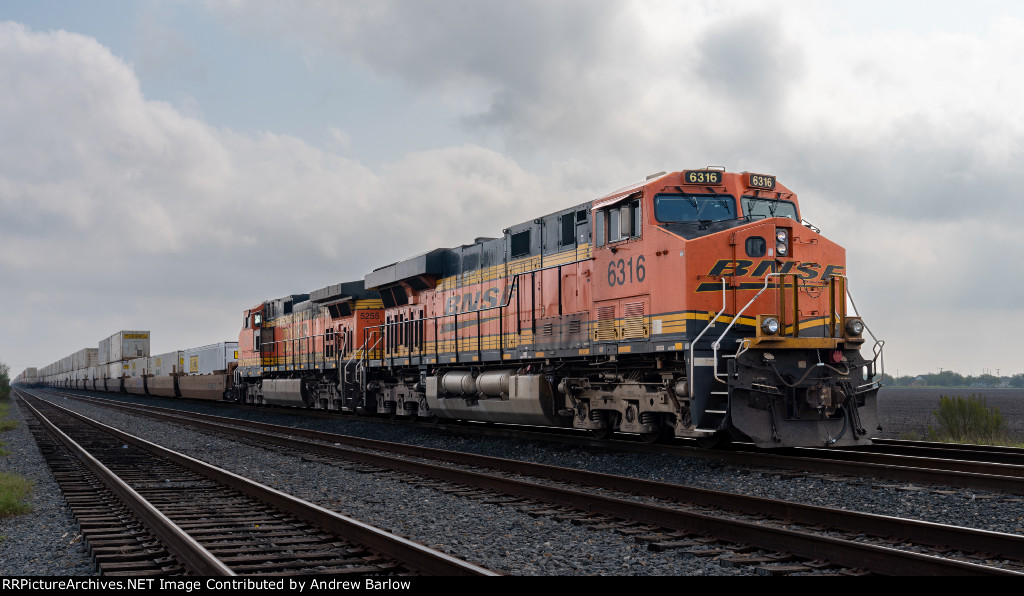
x=602, y=434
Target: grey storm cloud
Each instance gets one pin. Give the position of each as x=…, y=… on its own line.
x=452, y=42
x=750, y=62
x=537, y=71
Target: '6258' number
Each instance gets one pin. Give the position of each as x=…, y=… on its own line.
x=623, y=271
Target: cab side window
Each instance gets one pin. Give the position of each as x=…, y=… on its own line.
x=618, y=222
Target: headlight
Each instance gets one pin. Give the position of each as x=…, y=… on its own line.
x=855, y=326
x=770, y=326
x=782, y=242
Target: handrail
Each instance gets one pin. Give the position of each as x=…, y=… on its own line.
x=876, y=349
x=343, y=371
x=693, y=344
x=510, y=289
x=879, y=344
x=363, y=348
x=718, y=342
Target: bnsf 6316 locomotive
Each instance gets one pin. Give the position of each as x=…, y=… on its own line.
x=694, y=304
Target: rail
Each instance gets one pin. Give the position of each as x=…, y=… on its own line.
x=177, y=541
x=425, y=559
x=424, y=461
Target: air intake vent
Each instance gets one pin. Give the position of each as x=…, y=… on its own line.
x=633, y=324
x=605, y=328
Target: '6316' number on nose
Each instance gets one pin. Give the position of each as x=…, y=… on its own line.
x=623, y=271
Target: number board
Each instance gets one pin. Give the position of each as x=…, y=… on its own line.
x=702, y=177
x=761, y=181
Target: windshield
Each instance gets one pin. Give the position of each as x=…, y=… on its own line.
x=694, y=208
x=758, y=208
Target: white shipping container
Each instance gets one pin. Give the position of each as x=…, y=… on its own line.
x=137, y=367
x=84, y=358
x=165, y=364
x=207, y=359
x=116, y=370
x=125, y=345
x=104, y=351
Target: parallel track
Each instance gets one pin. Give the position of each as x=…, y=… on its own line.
x=213, y=522
x=681, y=512
x=969, y=467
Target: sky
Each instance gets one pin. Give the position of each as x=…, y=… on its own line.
x=165, y=165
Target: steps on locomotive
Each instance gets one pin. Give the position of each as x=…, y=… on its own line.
x=716, y=409
x=715, y=412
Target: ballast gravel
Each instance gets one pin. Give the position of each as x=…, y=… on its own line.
x=45, y=541
x=499, y=537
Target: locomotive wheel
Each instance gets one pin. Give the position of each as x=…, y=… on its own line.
x=602, y=434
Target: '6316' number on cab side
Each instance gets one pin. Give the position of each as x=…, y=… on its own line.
x=625, y=271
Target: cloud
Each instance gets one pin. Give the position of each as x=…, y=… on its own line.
x=119, y=212
x=902, y=145
x=649, y=85
x=340, y=137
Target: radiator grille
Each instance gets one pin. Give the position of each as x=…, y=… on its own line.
x=605, y=328
x=633, y=320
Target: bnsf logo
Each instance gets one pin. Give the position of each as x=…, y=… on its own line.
x=470, y=302
x=747, y=268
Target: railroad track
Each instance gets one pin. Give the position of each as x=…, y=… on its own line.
x=977, y=468
x=664, y=515
x=188, y=517
x=983, y=453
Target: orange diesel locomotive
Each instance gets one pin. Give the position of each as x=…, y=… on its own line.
x=694, y=304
